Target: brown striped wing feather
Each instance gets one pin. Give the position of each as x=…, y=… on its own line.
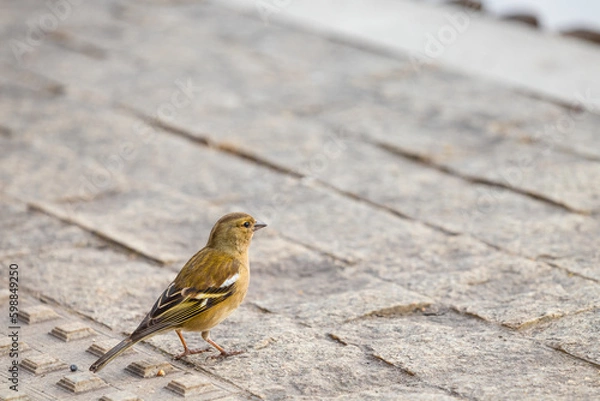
x=178, y=304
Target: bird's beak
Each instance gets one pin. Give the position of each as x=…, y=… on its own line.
x=258, y=225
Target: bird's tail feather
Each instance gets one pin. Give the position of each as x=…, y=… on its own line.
x=112, y=354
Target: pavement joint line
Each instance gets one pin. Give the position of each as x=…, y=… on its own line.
x=542, y=320
x=68, y=41
x=568, y=271
x=425, y=161
x=572, y=152
x=576, y=357
x=402, y=369
x=51, y=86
x=80, y=198
x=112, y=241
x=209, y=143
x=170, y=128
x=392, y=211
x=550, y=99
x=260, y=308
x=47, y=300
x=517, y=331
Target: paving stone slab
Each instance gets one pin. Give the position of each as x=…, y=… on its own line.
x=136, y=212
x=370, y=297
x=577, y=335
x=477, y=279
x=60, y=173
x=466, y=356
x=31, y=232
x=454, y=100
x=563, y=178
x=285, y=273
x=359, y=239
x=21, y=94
x=582, y=134
x=538, y=168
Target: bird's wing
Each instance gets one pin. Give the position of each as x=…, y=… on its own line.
x=178, y=303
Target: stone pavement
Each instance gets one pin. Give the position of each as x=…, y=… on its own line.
x=432, y=236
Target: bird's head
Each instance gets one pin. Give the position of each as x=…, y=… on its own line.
x=233, y=233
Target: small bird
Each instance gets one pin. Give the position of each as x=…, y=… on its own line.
x=211, y=285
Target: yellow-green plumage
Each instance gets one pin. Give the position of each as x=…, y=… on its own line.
x=210, y=286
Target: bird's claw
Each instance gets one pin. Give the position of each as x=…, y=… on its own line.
x=191, y=352
x=226, y=354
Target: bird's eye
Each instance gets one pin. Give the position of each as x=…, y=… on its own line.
x=247, y=224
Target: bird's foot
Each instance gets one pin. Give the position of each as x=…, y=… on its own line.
x=191, y=352
x=225, y=354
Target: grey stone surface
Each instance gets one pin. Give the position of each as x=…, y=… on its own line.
x=497, y=216
x=375, y=298
x=566, y=179
x=389, y=270
x=462, y=354
x=30, y=233
x=539, y=168
x=47, y=366
x=575, y=334
x=476, y=279
x=433, y=33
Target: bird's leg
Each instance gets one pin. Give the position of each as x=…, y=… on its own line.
x=223, y=353
x=186, y=350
